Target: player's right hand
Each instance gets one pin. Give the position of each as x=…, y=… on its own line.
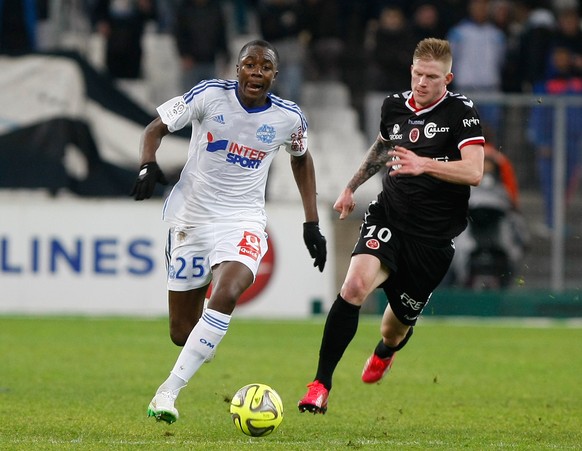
x=345, y=204
x=149, y=174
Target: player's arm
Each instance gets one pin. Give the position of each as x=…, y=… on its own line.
x=466, y=171
x=149, y=172
x=376, y=158
x=151, y=140
x=304, y=174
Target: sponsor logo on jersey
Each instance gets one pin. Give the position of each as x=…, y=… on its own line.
x=244, y=156
x=414, y=135
x=373, y=244
x=213, y=146
x=250, y=245
x=416, y=121
x=266, y=134
x=239, y=154
x=470, y=122
x=395, y=133
x=432, y=129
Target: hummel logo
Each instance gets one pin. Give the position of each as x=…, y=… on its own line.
x=219, y=118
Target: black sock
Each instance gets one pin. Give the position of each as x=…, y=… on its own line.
x=340, y=328
x=385, y=352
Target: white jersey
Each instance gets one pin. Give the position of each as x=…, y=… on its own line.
x=231, y=150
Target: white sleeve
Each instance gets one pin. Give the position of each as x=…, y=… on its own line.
x=175, y=113
x=296, y=144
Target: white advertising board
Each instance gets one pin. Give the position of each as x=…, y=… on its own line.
x=106, y=257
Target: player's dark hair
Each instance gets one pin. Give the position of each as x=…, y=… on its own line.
x=259, y=43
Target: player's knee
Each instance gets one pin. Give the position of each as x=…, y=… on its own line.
x=354, y=290
x=179, y=332
x=224, y=301
x=178, y=338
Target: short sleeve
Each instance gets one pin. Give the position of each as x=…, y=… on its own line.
x=296, y=142
x=468, y=128
x=384, y=113
x=175, y=113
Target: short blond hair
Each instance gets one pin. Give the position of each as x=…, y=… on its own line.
x=434, y=49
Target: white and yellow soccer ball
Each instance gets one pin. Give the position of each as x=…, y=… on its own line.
x=256, y=410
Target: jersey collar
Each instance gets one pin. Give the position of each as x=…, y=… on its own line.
x=411, y=104
x=257, y=109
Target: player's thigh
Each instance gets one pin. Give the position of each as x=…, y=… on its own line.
x=378, y=238
x=230, y=280
x=374, y=256
x=421, y=269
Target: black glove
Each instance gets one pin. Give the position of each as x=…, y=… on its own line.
x=149, y=174
x=316, y=244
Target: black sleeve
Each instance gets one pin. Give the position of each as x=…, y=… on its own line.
x=384, y=118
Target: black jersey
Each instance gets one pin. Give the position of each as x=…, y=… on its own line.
x=424, y=206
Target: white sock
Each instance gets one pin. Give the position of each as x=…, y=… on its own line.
x=203, y=339
x=173, y=383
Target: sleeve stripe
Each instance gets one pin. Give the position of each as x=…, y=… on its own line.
x=203, y=85
x=471, y=141
x=290, y=106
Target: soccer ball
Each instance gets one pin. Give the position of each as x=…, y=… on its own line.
x=256, y=410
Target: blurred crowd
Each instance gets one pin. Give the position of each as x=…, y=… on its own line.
x=499, y=45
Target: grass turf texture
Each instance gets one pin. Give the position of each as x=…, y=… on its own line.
x=81, y=383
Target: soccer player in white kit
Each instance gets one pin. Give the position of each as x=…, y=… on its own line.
x=216, y=210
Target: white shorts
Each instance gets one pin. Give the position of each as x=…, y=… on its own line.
x=191, y=252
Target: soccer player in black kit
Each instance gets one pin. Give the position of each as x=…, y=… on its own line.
x=432, y=143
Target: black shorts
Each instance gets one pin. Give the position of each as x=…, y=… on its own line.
x=417, y=266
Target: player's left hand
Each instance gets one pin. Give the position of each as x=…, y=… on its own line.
x=316, y=244
x=149, y=174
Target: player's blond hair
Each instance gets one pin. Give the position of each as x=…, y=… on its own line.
x=434, y=49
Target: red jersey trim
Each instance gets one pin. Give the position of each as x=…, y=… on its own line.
x=411, y=103
x=471, y=141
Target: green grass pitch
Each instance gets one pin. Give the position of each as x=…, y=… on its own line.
x=84, y=383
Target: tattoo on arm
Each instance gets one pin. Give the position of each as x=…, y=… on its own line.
x=375, y=159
